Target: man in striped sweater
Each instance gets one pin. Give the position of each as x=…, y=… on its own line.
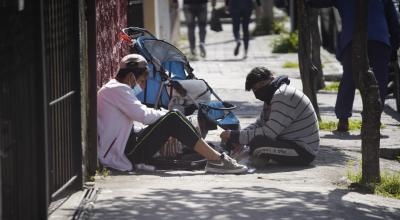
x=287, y=130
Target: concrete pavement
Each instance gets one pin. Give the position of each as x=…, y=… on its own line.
x=314, y=192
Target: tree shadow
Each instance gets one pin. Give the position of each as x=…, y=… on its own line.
x=347, y=136
x=392, y=112
x=226, y=60
x=329, y=108
x=211, y=44
x=224, y=202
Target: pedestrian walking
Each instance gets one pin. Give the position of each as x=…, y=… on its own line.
x=196, y=11
x=240, y=11
x=287, y=130
x=383, y=38
x=121, y=144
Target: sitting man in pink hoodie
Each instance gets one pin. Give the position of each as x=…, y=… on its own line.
x=120, y=145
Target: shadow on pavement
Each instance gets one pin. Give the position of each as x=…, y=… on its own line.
x=226, y=60
x=330, y=109
x=255, y=202
x=209, y=44
x=393, y=113
x=346, y=136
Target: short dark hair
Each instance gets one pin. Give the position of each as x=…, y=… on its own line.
x=123, y=72
x=256, y=75
x=132, y=63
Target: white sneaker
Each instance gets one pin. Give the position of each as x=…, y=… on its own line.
x=225, y=165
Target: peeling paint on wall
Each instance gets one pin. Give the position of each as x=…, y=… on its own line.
x=111, y=17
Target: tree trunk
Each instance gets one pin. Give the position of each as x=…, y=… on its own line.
x=316, y=49
x=367, y=84
x=264, y=20
x=308, y=71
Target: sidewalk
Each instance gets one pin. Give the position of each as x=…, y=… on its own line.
x=314, y=192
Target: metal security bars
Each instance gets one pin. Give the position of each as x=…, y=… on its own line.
x=61, y=41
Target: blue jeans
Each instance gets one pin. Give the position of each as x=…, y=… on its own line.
x=193, y=11
x=378, y=55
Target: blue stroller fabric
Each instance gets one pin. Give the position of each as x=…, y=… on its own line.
x=166, y=62
x=219, y=113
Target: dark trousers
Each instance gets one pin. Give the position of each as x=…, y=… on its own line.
x=141, y=147
x=191, y=12
x=378, y=55
x=282, y=151
x=241, y=12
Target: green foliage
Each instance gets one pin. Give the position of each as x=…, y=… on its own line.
x=388, y=187
x=354, y=125
x=278, y=27
x=286, y=43
x=289, y=64
x=332, y=87
x=327, y=125
x=103, y=172
x=332, y=125
x=353, y=175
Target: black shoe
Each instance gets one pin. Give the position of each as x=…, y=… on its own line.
x=236, y=51
x=343, y=125
x=202, y=50
x=193, y=52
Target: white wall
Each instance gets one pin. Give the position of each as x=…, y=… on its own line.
x=162, y=20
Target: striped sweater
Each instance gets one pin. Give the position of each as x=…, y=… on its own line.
x=291, y=117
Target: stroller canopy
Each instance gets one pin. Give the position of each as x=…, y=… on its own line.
x=160, y=52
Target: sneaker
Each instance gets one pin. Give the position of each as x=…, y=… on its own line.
x=202, y=50
x=343, y=125
x=245, y=54
x=193, y=52
x=236, y=51
x=225, y=165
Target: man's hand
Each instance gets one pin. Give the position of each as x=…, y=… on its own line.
x=225, y=135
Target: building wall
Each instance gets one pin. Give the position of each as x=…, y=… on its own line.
x=161, y=18
x=111, y=17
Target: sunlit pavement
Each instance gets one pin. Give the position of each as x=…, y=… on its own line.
x=313, y=192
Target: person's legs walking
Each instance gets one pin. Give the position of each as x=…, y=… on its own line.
x=191, y=24
x=202, y=22
x=378, y=55
x=235, y=14
x=245, y=27
x=345, y=96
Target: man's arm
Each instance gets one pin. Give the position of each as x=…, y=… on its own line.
x=280, y=118
x=320, y=3
x=134, y=109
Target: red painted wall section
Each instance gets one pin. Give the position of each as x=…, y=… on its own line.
x=111, y=17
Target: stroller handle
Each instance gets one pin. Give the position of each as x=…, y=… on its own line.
x=227, y=106
x=135, y=32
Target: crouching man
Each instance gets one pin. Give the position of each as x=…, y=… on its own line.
x=287, y=130
x=120, y=144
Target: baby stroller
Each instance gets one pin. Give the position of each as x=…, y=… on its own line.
x=171, y=83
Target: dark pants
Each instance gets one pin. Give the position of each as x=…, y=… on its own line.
x=141, y=147
x=281, y=151
x=241, y=12
x=193, y=11
x=378, y=55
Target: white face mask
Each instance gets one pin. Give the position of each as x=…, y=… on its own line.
x=137, y=89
